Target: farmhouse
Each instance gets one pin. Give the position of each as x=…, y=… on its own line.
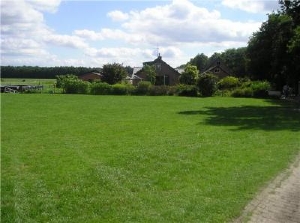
x=165, y=74
x=91, y=76
x=218, y=68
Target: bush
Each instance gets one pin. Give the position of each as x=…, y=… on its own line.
x=228, y=83
x=143, y=88
x=172, y=90
x=260, y=88
x=243, y=93
x=207, y=84
x=158, y=90
x=223, y=93
x=101, y=88
x=76, y=86
x=187, y=90
x=62, y=79
x=119, y=89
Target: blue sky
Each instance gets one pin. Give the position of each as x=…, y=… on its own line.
x=93, y=33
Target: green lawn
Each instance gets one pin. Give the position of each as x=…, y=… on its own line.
x=83, y=158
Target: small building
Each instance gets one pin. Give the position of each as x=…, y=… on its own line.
x=218, y=68
x=165, y=74
x=91, y=76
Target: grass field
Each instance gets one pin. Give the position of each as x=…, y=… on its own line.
x=48, y=84
x=83, y=158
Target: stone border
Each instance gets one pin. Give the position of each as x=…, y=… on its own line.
x=279, y=202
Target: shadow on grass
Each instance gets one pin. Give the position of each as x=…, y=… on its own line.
x=270, y=118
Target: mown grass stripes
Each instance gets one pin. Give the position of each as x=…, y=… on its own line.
x=83, y=158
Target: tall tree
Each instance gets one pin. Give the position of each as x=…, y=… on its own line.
x=113, y=73
x=189, y=75
x=236, y=61
x=268, y=49
x=200, y=61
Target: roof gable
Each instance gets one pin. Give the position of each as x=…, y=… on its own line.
x=159, y=60
x=217, y=64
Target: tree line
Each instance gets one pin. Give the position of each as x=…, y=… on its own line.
x=48, y=72
x=272, y=53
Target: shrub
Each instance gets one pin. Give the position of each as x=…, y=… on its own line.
x=159, y=90
x=260, y=88
x=62, y=79
x=223, y=93
x=172, y=90
x=242, y=92
x=189, y=75
x=130, y=88
x=187, y=90
x=101, y=88
x=119, y=89
x=76, y=86
x=143, y=88
x=207, y=84
x=228, y=82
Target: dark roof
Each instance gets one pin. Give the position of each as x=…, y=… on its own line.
x=88, y=73
x=217, y=63
x=159, y=59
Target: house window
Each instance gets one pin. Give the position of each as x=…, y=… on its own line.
x=162, y=80
x=217, y=70
x=218, y=63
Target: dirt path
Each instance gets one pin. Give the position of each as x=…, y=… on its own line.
x=279, y=202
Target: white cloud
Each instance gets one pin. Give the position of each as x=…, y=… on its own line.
x=48, y=6
x=66, y=41
x=180, y=22
x=173, y=27
x=88, y=34
x=117, y=15
x=183, y=22
x=24, y=32
x=258, y=6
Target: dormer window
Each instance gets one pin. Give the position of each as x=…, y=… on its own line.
x=218, y=63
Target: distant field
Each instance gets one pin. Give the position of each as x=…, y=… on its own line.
x=83, y=158
x=47, y=83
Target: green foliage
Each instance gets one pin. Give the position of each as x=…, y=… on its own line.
x=100, y=88
x=150, y=73
x=122, y=89
x=228, y=83
x=236, y=61
x=273, y=52
x=200, y=61
x=187, y=90
x=143, y=88
x=257, y=89
x=160, y=90
x=189, y=75
x=246, y=92
x=76, y=86
x=113, y=73
x=260, y=88
x=62, y=79
x=294, y=44
x=207, y=84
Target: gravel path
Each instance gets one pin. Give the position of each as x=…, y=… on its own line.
x=279, y=202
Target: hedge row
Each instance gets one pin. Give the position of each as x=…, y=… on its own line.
x=207, y=85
